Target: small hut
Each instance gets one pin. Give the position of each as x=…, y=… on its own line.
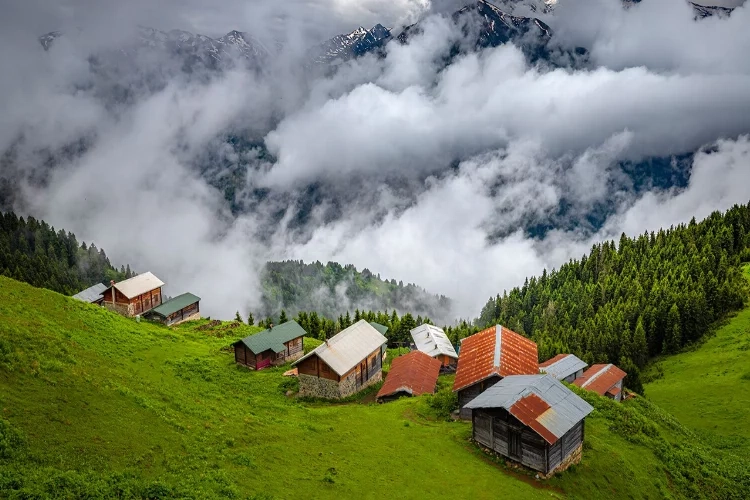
x=185, y=307
x=344, y=364
x=433, y=341
x=274, y=346
x=531, y=419
x=412, y=374
x=134, y=296
x=565, y=367
x=92, y=295
x=488, y=356
x=605, y=380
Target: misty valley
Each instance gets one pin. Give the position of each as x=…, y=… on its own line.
x=313, y=249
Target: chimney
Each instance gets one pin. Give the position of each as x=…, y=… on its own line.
x=112, y=285
x=270, y=326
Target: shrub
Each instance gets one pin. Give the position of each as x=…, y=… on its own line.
x=11, y=439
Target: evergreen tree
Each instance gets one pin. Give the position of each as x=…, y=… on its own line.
x=673, y=341
x=237, y=317
x=250, y=319
x=282, y=317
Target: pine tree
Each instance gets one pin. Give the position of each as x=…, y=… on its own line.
x=250, y=319
x=673, y=340
x=237, y=317
x=640, y=345
x=282, y=317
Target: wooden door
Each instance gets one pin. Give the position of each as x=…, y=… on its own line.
x=514, y=443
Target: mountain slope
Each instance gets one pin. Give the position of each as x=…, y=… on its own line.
x=93, y=404
x=708, y=388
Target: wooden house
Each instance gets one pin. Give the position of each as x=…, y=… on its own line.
x=275, y=346
x=412, y=374
x=531, y=419
x=564, y=367
x=92, y=295
x=185, y=307
x=433, y=341
x=606, y=380
x=488, y=356
x=134, y=296
x=344, y=364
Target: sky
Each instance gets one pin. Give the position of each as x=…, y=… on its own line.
x=521, y=141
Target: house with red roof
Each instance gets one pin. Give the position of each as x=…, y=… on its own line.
x=487, y=357
x=412, y=374
x=605, y=380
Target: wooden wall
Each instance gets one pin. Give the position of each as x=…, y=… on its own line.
x=244, y=356
x=469, y=393
x=501, y=432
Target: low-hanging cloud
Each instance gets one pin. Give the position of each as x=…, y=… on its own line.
x=443, y=167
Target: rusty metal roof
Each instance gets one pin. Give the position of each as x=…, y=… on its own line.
x=600, y=378
x=432, y=341
x=562, y=366
x=414, y=373
x=496, y=351
x=541, y=402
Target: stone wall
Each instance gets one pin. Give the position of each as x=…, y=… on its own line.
x=572, y=459
x=192, y=317
x=318, y=387
x=124, y=309
x=310, y=385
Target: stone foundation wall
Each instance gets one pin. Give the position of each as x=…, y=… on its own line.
x=310, y=385
x=123, y=309
x=318, y=387
x=192, y=317
x=572, y=459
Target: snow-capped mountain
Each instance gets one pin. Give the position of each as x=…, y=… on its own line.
x=234, y=47
x=354, y=44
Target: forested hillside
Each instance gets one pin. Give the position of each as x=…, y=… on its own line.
x=33, y=252
x=644, y=296
x=333, y=289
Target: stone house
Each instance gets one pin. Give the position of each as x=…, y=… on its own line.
x=344, y=364
x=531, y=419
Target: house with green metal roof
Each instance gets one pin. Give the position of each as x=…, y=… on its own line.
x=274, y=346
x=185, y=307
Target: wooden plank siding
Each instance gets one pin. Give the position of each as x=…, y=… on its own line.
x=136, y=305
x=244, y=356
x=364, y=370
x=501, y=432
x=467, y=394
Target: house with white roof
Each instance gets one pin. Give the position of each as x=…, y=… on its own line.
x=134, y=296
x=433, y=341
x=564, y=367
x=92, y=295
x=344, y=364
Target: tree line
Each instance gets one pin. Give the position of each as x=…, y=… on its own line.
x=624, y=303
x=33, y=252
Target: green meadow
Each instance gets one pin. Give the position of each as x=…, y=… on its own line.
x=93, y=405
x=708, y=388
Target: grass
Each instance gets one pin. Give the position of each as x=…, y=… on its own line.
x=95, y=405
x=708, y=388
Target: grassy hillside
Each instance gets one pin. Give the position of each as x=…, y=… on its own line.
x=708, y=388
x=95, y=405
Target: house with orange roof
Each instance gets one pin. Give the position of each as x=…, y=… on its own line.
x=487, y=357
x=605, y=380
x=412, y=374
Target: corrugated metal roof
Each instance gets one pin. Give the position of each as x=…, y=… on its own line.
x=600, y=378
x=138, y=285
x=381, y=328
x=274, y=338
x=415, y=373
x=173, y=305
x=345, y=350
x=522, y=396
x=562, y=366
x=494, y=351
x=91, y=294
x=433, y=341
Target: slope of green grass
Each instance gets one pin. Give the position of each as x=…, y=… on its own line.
x=94, y=405
x=708, y=388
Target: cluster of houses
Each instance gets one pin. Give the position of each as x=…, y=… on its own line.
x=519, y=408
x=142, y=296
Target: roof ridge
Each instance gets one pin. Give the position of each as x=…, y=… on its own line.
x=498, y=346
x=598, y=374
